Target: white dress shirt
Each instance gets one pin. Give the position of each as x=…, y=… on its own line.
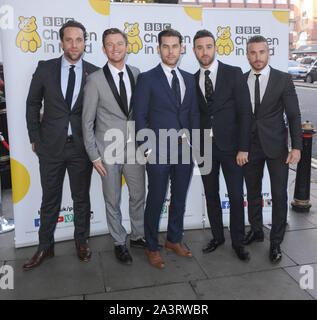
x=213, y=76
x=168, y=72
x=116, y=78
x=263, y=81
x=64, y=81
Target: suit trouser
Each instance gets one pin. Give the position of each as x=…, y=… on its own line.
x=158, y=179
x=134, y=175
x=233, y=175
x=278, y=171
x=52, y=171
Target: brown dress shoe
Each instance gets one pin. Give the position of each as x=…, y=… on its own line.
x=176, y=247
x=83, y=252
x=38, y=258
x=155, y=259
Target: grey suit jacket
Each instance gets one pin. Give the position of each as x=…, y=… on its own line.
x=103, y=112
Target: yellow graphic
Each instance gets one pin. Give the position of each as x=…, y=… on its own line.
x=135, y=42
x=194, y=12
x=122, y=181
x=101, y=6
x=281, y=16
x=28, y=39
x=20, y=181
x=224, y=43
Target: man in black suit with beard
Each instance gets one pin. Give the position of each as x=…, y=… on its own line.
x=57, y=140
x=225, y=110
x=272, y=94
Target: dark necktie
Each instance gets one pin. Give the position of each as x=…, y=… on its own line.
x=209, y=89
x=123, y=93
x=70, y=86
x=257, y=100
x=176, y=87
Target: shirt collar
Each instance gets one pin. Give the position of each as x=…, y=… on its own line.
x=168, y=69
x=67, y=64
x=115, y=70
x=263, y=72
x=213, y=67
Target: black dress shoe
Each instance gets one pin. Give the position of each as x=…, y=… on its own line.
x=275, y=253
x=139, y=243
x=241, y=253
x=212, y=245
x=253, y=236
x=122, y=254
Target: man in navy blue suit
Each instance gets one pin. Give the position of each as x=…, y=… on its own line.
x=165, y=100
x=225, y=110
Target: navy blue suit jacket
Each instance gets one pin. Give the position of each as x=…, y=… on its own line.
x=230, y=118
x=155, y=106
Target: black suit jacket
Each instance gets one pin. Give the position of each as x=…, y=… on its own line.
x=230, y=117
x=49, y=134
x=279, y=97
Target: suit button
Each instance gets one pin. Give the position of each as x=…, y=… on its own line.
x=211, y=117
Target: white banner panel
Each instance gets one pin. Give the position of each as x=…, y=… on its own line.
x=29, y=33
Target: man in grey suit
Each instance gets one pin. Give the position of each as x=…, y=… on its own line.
x=107, y=111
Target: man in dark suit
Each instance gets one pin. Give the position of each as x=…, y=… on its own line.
x=57, y=140
x=225, y=110
x=165, y=99
x=272, y=94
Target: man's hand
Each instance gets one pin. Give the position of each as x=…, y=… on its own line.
x=293, y=156
x=100, y=168
x=33, y=147
x=242, y=158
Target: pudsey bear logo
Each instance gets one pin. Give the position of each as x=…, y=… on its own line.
x=28, y=39
x=224, y=43
x=135, y=42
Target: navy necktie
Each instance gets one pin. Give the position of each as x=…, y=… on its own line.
x=257, y=100
x=70, y=86
x=176, y=87
x=123, y=93
x=209, y=89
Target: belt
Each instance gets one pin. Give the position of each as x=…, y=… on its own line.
x=69, y=139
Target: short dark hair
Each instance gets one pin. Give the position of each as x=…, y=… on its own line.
x=202, y=34
x=169, y=33
x=256, y=39
x=73, y=24
x=113, y=31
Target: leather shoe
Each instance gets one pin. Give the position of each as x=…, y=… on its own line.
x=176, y=247
x=38, y=258
x=122, y=254
x=139, y=243
x=275, y=253
x=155, y=259
x=241, y=253
x=83, y=252
x=212, y=245
x=253, y=236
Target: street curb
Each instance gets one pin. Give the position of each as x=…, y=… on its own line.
x=305, y=85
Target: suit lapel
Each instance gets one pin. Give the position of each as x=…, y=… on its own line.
x=113, y=88
x=219, y=81
x=83, y=81
x=269, y=87
x=58, y=80
x=132, y=82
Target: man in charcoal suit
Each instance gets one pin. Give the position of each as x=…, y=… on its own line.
x=272, y=94
x=57, y=140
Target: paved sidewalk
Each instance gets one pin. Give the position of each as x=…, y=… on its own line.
x=218, y=275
